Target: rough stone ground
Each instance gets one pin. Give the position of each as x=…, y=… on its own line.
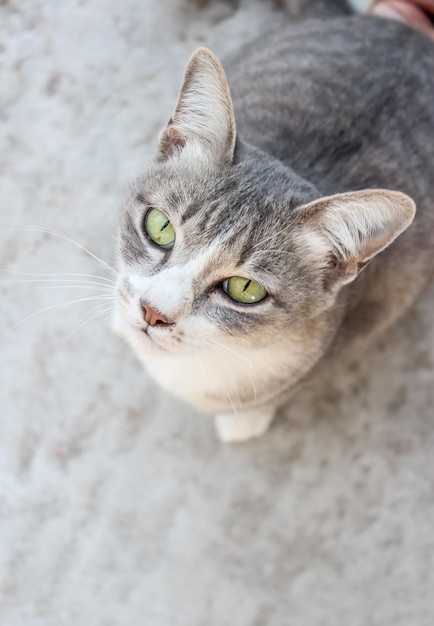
x=118, y=506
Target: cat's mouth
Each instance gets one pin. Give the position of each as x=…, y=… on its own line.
x=158, y=338
x=145, y=331
x=150, y=338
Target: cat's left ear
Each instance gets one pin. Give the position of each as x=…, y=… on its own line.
x=204, y=118
x=342, y=233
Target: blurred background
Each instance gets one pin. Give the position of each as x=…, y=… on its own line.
x=118, y=506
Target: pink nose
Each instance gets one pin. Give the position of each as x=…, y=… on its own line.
x=153, y=317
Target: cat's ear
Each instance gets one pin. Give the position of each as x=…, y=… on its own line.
x=354, y=227
x=204, y=116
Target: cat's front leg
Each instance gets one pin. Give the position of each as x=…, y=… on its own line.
x=244, y=425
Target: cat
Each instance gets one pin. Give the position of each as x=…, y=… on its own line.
x=261, y=242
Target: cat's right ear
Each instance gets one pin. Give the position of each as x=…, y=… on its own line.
x=203, y=122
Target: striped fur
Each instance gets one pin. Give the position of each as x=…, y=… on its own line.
x=313, y=187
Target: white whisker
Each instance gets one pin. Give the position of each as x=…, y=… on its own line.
x=69, y=275
x=228, y=395
x=66, y=283
x=264, y=269
x=289, y=252
x=200, y=363
x=48, y=231
x=93, y=314
x=219, y=345
x=52, y=309
x=240, y=356
x=269, y=238
x=102, y=290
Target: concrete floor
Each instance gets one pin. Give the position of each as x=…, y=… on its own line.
x=118, y=506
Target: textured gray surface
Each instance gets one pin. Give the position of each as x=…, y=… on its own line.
x=118, y=506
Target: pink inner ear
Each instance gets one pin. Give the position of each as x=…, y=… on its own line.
x=204, y=113
x=343, y=268
x=375, y=243
x=171, y=141
x=363, y=223
x=333, y=262
x=353, y=227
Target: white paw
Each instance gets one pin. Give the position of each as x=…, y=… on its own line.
x=244, y=426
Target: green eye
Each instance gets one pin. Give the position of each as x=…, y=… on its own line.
x=244, y=290
x=158, y=227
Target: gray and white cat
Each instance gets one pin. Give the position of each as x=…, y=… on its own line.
x=241, y=249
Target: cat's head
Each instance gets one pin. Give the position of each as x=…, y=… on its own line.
x=220, y=242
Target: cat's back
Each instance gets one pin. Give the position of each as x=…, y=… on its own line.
x=347, y=102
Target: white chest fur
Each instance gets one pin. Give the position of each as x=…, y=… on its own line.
x=220, y=379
